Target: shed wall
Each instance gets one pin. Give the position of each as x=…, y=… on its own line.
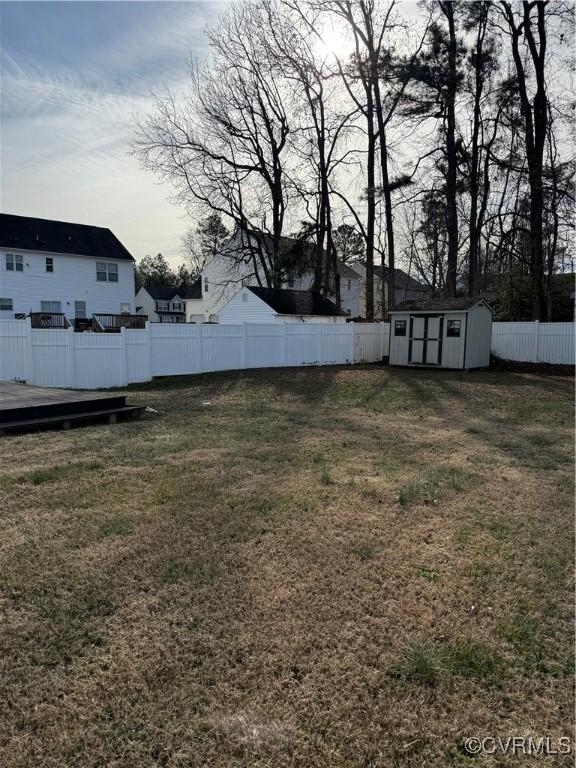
x=479, y=337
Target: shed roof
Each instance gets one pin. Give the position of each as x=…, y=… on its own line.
x=288, y=302
x=60, y=237
x=463, y=303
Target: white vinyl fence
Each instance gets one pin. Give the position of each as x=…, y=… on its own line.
x=62, y=358
x=552, y=343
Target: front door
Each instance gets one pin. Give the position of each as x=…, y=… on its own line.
x=425, y=344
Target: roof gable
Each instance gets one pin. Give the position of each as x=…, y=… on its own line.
x=60, y=237
x=167, y=293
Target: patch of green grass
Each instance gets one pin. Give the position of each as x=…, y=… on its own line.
x=428, y=573
x=116, y=525
x=365, y=551
x=500, y=528
x=194, y=570
x=481, y=574
x=59, y=472
x=433, y=485
x=468, y=658
x=427, y=663
x=419, y=663
x=326, y=475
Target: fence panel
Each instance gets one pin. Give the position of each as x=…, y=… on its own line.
x=138, y=355
x=534, y=342
x=370, y=342
x=175, y=349
x=222, y=347
x=99, y=360
x=264, y=345
x=556, y=343
x=302, y=344
x=15, y=350
x=52, y=357
x=337, y=342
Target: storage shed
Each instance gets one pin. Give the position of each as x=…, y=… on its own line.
x=441, y=333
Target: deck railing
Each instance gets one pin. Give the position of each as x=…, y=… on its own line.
x=48, y=320
x=113, y=323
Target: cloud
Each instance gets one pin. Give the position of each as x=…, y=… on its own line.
x=68, y=111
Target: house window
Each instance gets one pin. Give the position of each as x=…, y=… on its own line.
x=49, y=264
x=106, y=272
x=80, y=309
x=6, y=305
x=163, y=306
x=177, y=306
x=453, y=329
x=400, y=328
x=349, y=284
x=50, y=306
x=14, y=262
x=205, y=285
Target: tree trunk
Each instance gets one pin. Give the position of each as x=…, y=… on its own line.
x=451, y=155
x=474, y=228
x=535, y=128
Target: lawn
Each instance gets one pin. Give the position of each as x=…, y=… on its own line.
x=352, y=567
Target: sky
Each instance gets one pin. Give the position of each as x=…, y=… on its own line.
x=75, y=78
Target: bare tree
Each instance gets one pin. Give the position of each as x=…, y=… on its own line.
x=225, y=147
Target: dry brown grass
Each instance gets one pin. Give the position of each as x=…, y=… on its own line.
x=350, y=567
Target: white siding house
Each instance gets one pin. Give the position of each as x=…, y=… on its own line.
x=56, y=267
x=164, y=305
x=235, y=267
x=266, y=305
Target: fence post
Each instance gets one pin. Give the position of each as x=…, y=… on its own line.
x=201, y=347
x=321, y=343
x=243, y=348
x=536, y=340
x=353, y=336
x=284, y=343
x=71, y=358
x=124, y=364
x=147, y=330
x=29, y=352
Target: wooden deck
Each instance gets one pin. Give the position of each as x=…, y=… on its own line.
x=24, y=408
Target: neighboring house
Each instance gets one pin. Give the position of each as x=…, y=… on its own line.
x=235, y=267
x=265, y=305
x=56, y=267
x=165, y=305
x=406, y=288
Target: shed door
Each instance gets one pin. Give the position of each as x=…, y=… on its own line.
x=425, y=346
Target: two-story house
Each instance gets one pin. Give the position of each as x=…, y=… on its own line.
x=406, y=288
x=165, y=305
x=56, y=267
x=237, y=266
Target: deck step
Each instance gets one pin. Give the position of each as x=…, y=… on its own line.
x=66, y=420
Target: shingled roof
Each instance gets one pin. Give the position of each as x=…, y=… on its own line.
x=439, y=304
x=166, y=293
x=288, y=302
x=60, y=237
